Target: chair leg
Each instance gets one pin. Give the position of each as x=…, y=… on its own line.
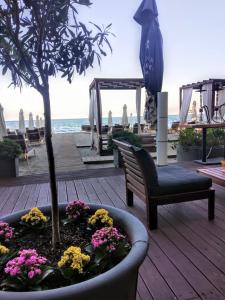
x=129, y=197
x=211, y=205
x=153, y=217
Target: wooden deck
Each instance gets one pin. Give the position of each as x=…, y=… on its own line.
x=186, y=258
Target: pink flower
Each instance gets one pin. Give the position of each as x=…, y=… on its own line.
x=27, y=264
x=76, y=209
x=6, y=232
x=107, y=238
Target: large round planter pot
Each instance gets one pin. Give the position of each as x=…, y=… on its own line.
x=195, y=152
x=119, y=283
x=9, y=167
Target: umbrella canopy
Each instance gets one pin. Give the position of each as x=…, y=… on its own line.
x=110, y=122
x=31, y=121
x=125, y=117
x=22, y=128
x=151, y=53
x=3, y=131
x=37, y=122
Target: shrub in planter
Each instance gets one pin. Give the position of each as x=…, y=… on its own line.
x=125, y=136
x=189, y=146
x=100, y=253
x=9, y=153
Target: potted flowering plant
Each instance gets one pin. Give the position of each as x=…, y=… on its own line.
x=102, y=248
x=9, y=158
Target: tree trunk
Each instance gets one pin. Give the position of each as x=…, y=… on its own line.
x=51, y=165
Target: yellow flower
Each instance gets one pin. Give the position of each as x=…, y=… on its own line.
x=102, y=216
x=35, y=216
x=74, y=258
x=3, y=249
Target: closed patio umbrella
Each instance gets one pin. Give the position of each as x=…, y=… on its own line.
x=3, y=131
x=31, y=121
x=151, y=54
x=22, y=128
x=37, y=122
x=110, y=122
x=125, y=117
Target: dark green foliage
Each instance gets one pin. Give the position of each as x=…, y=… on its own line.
x=41, y=38
x=9, y=150
x=192, y=137
x=125, y=136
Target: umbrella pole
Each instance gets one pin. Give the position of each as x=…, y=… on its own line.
x=162, y=128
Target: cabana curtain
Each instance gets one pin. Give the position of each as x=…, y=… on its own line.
x=186, y=101
x=221, y=100
x=93, y=114
x=207, y=97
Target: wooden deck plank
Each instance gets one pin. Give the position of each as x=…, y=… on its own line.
x=11, y=201
x=33, y=197
x=82, y=195
x=62, y=193
x=22, y=200
x=143, y=291
x=71, y=191
x=92, y=196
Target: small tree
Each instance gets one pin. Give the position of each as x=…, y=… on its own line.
x=39, y=39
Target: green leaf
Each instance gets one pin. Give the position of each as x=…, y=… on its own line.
x=4, y=70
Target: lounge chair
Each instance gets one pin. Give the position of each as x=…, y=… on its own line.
x=34, y=137
x=163, y=185
x=135, y=127
x=42, y=132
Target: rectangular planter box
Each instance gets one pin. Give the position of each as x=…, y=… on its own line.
x=9, y=167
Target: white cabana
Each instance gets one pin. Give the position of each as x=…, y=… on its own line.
x=37, y=122
x=110, y=121
x=31, y=121
x=3, y=131
x=94, y=115
x=185, y=105
x=124, y=116
x=22, y=127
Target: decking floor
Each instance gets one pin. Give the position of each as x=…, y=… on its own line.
x=186, y=257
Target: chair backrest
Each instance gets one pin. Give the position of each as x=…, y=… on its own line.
x=33, y=135
x=140, y=169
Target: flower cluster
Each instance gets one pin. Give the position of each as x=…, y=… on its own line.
x=107, y=238
x=6, y=232
x=3, y=250
x=74, y=258
x=76, y=209
x=101, y=218
x=27, y=264
x=34, y=217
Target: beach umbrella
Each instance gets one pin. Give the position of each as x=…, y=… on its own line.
x=42, y=122
x=125, y=117
x=3, y=131
x=110, y=122
x=31, y=121
x=37, y=122
x=22, y=128
x=151, y=54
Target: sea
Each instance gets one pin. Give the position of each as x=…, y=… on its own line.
x=74, y=125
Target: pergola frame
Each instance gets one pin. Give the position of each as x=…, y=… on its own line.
x=216, y=85
x=99, y=84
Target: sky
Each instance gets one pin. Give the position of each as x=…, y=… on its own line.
x=194, y=47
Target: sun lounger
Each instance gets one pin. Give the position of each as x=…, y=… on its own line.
x=34, y=138
x=164, y=185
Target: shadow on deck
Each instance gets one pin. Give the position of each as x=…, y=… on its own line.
x=186, y=258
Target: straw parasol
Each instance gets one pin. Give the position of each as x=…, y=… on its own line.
x=22, y=128
x=31, y=121
x=3, y=131
x=125, y=117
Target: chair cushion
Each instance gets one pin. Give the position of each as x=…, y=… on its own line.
x=175, y=180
